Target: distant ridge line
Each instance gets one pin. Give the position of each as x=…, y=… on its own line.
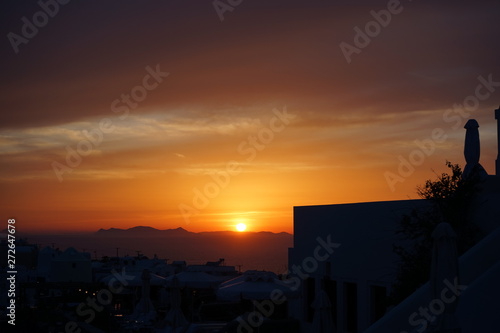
x=177, y=231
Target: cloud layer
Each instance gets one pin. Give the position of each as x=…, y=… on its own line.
x=352, y=120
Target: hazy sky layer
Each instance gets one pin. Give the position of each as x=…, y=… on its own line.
x=124, y=113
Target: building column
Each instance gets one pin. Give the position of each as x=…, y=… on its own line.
x=497, y=163
x=340, y=306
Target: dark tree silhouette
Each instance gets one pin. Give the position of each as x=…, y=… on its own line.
x=450, y=197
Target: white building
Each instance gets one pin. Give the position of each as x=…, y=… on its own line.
x=71, y=266
x=358, y=266
x=45, y=257
x=361, y=269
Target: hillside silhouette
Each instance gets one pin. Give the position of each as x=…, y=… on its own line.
x=251, y=250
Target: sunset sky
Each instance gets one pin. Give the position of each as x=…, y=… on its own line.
x=259, y=112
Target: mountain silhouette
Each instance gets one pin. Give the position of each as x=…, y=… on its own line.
x=252, y=250
x=142, y=230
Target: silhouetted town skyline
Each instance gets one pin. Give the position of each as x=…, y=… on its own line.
x=235, y=166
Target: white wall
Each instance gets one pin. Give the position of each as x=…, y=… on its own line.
x=366, y=233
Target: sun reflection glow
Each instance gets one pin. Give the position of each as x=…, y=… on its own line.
x=241, y=227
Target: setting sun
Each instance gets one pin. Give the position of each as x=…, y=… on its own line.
x=241, y=227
